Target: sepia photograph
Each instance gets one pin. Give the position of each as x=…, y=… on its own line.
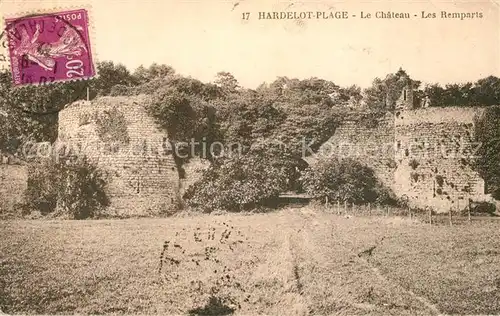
x=249, y=157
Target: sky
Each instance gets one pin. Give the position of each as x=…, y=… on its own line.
x=200, y=38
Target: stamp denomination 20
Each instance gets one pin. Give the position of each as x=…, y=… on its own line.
x=50, y=47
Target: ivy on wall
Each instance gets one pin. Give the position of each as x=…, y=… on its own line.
x=111, y=127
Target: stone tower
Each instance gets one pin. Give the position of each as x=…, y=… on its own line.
x=143, y=177
x=405, y=101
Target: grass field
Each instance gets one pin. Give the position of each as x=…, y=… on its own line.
x=295, y=261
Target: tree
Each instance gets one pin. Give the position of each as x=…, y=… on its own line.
x=142, y=75
x=180, y=108
x=486, y=91
x=227, y=82
x=435, y=94
x=383, y=94
x=246, y=117
x=30, y=113
x=110, y=75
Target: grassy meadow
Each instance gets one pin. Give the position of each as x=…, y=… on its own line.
x=294, y=262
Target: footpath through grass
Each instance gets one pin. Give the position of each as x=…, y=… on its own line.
x=294, y=261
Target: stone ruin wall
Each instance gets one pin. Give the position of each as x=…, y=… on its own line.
x=143, y=174
x=435, y=149
x=370, y=142
x=422, y=155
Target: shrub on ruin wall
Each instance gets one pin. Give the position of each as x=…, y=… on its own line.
x=111, y=127
x=69, y=188
x=344, y=180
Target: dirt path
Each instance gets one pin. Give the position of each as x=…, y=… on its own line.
x=334, y=279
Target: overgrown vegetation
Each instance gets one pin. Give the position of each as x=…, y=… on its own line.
x=245, y=181
x=483, y=208
x=111, y=127
x=487, y=161
x=72, y=188
x=344, y=180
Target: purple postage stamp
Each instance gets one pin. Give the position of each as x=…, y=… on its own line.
x=50, y=47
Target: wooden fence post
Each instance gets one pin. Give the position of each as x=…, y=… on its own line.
x=468, y=210
x=326, y=201
x=430, y=216
x=338, y=207
x=345, y=207
x=450, y=217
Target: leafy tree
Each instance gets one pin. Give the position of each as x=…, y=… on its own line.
x=227, y=82
x=486, y=91
x=143, y=75
x=30, y=113
x=180, y=107
x=383, y=94
x=246, y=118
x=110, y=75
x=435, y=94
x=307, y=127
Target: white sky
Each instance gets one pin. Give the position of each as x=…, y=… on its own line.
x=200, y=38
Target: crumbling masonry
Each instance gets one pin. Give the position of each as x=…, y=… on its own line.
x=118, y=134
x=424, y=155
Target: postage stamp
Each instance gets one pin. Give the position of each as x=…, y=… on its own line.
x=50, y=47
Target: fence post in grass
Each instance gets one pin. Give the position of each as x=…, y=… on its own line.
x=326, y=202
x=430, y=216
x=345, y=206
x=352, y=207
x=338, y=207
x=468, y=210
x=450, y=217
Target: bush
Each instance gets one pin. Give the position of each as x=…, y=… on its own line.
x=41, y=194
x=242, y=182
x=483, y=208
x=344, y=180
x=75, y=188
